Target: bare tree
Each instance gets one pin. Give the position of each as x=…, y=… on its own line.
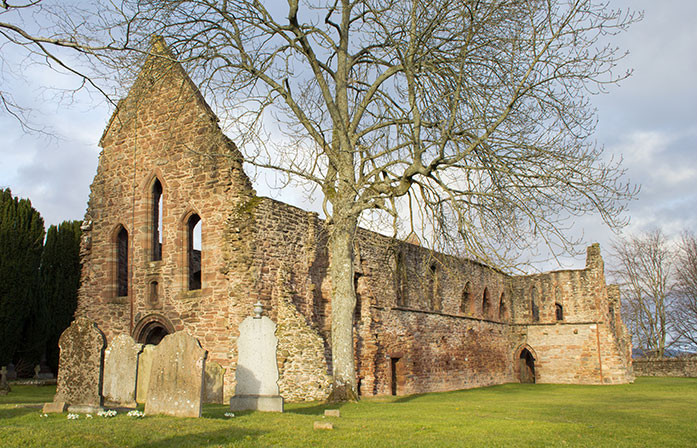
x=468, y=119
x=645, y=270
x=44, y=32
x=685, y=307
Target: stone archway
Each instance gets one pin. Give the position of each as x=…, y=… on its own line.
x=152, y=328
x=526, y=366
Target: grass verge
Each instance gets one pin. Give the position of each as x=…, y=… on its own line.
x=651, y=412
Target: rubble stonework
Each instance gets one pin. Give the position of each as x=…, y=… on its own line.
x=424, y=321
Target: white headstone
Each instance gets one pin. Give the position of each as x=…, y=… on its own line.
x=257, y=369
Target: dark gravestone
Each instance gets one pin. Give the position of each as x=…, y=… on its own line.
x=4, y=386
x=80, y=366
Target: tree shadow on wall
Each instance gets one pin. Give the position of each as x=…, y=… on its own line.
x=206, y=438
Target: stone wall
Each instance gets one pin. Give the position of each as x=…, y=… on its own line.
x=424, y=321
x=682, y=367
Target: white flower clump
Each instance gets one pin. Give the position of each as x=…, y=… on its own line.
x=73, y=416
x=43, y=415
x=88, y=416
x=229, y=414
x=107, y=414
x=136, y=414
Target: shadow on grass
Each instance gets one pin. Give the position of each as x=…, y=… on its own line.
x=207, y=438
x=10, y=413
x=315, y=409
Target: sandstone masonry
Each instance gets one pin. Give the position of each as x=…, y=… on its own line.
x=424, y=321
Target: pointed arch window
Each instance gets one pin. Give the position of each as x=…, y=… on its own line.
x=465, y=301
x=400, y=280
x=194, y=253
x=156, y=220
x=503, y=311
x=558, y=306
x=486, y=305
x=433, y=287
x=122, y=262
x=534, y=305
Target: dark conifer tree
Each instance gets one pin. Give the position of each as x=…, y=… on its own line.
x=21, y=243
x=60, y=279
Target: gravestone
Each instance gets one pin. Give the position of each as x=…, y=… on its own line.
x=4, y=385
x=80, y=367
x=213, y=383
x=144, y=368
x=176, y=377
x=11, y=372
x=120, y=369
x=257, y=368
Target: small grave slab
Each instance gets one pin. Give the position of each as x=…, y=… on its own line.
x=213, y=383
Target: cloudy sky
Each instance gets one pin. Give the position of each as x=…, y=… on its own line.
x=650, y=121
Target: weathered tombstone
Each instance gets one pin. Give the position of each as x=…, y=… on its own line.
x=213, y=383
x=11, y=372
x=80, y=367
x=257, y=368
x=176, y=377
x=120, y=369
x=144, y=368
x=4, y=385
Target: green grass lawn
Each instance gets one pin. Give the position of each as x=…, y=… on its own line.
x=652, y=412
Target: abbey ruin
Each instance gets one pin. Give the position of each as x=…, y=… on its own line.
x=423, y=322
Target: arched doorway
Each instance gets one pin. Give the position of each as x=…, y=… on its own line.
x=526, y=367
x=151, y=329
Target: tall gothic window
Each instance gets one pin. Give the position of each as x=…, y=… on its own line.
x=122, y=263
x=503, y=312
x=486, y=305
x=465, y=302
x=434, y=287
x=194, y=251
x=534, y=306
x=400, y=280
x=156, y=229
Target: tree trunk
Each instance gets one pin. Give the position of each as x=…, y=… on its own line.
x=341, y=242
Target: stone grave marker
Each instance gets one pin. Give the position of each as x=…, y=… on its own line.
x=257, y=368
x=176, y=377
x=80, y=367
x=4, y=385
x=144, y=368
x=213, y=383
x=120, y=369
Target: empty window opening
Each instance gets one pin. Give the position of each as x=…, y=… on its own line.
x=486, y=306
x=526, y=366
x=194, y=251
x=400, y=280
x=156, y=221
x=358, y=288
x=465, y=302
x=154, y=295
x=534, y=305
x=434, y=287
x=397, y=376
x=559, y=311
x=503, y=311
x=122, y=263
